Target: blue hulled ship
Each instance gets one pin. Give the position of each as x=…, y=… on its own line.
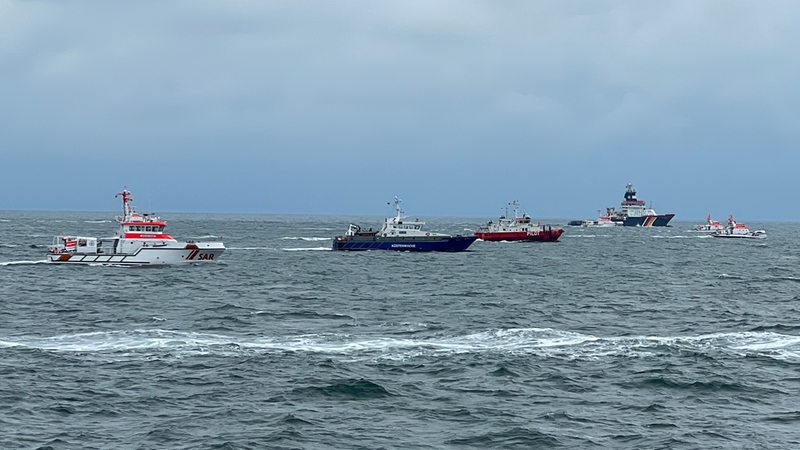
x=399, y=233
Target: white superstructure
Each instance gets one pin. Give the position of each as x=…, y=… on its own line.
x=400, y=225
x=632, y=206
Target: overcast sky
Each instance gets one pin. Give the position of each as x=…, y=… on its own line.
x=457, y=107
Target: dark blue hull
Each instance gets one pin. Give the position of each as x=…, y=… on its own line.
x=426, y=244
x=660, y=220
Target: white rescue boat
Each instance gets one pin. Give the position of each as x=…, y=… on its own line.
x=739, y=230
x=711, y=226
x=141, y=241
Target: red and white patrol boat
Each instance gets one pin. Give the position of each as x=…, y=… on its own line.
x=602, y=221
x=141, y=241
x=739, y=230
x=518, y=228
x=711, y=226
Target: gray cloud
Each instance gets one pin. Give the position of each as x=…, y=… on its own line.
x=584, y=85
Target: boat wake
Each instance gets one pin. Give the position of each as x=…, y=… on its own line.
x=726, y=276
x=202, y=238
x=541, y=342
x=569, y=236
x=300, y=238
x=21, y=263
x=307, y=249
x=249, y=248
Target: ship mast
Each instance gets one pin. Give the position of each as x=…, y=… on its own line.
x=127, y=197
x=515, y=207
x=397, y=210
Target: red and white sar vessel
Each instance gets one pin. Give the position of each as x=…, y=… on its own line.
x=711, y=226
x=739, y=230
x=141, y=241
x=520, y=227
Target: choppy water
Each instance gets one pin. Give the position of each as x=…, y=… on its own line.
x=611, y=338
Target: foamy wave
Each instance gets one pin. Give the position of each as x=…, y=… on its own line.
x=729, y=276
x=103, y=341
x=306, y=249
x=560, y=344
x=14, y=263
x=542, y=342
x=300, y=238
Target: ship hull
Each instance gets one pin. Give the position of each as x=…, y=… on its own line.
x=411, y=244
x=660, y=220
x=550, y=235
x=145, y=256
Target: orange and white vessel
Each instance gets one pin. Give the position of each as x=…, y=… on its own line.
x=141, y=241
x=711, y=226
x=739, y=230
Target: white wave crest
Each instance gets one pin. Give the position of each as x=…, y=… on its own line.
x=542, y=342
x=306, y=249
x=14, y=263
x=300, y=238
x=105, y=341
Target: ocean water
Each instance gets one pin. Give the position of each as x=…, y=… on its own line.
x=610, y=338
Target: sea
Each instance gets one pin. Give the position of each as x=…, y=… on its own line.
x=610, y=338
